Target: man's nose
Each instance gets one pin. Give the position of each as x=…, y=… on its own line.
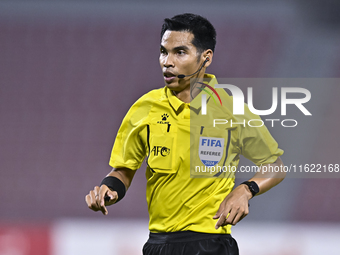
x=168, y=61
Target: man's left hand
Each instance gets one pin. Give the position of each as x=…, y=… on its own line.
x=234, y=207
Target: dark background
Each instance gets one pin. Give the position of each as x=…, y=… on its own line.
x=70, y=70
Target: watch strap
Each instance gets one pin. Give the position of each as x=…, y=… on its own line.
x=253, y=187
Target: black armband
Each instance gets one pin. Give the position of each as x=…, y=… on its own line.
x=114, y=184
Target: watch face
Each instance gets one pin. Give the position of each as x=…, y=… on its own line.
x=254, y=188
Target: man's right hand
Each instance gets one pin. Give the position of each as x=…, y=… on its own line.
x=100, y=197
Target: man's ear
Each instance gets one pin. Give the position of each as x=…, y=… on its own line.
x=207, y=55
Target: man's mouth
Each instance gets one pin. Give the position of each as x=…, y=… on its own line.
x=168, y=76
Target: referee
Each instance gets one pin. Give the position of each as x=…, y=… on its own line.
x=187, y=215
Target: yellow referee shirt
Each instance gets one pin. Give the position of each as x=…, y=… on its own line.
x=172, y=136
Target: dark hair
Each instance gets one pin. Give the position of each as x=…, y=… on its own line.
x=204, y=33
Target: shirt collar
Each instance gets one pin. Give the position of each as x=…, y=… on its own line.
x=174, y=101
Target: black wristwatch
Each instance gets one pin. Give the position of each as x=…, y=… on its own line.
x=253, y=187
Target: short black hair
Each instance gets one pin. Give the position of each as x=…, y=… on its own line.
x=203, y=31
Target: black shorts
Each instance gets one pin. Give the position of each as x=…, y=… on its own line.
x=190, y=243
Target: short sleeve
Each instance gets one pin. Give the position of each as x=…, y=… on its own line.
x=129, y=149
x=256, y=143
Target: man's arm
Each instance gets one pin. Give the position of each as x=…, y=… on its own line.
x=96, y=198
x=236, y=203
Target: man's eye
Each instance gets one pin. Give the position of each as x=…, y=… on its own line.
x=181, y=52
x=163, y=51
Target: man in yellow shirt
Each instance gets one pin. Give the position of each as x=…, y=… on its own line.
x=191, y=211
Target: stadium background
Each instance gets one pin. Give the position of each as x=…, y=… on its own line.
x=69, y=71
